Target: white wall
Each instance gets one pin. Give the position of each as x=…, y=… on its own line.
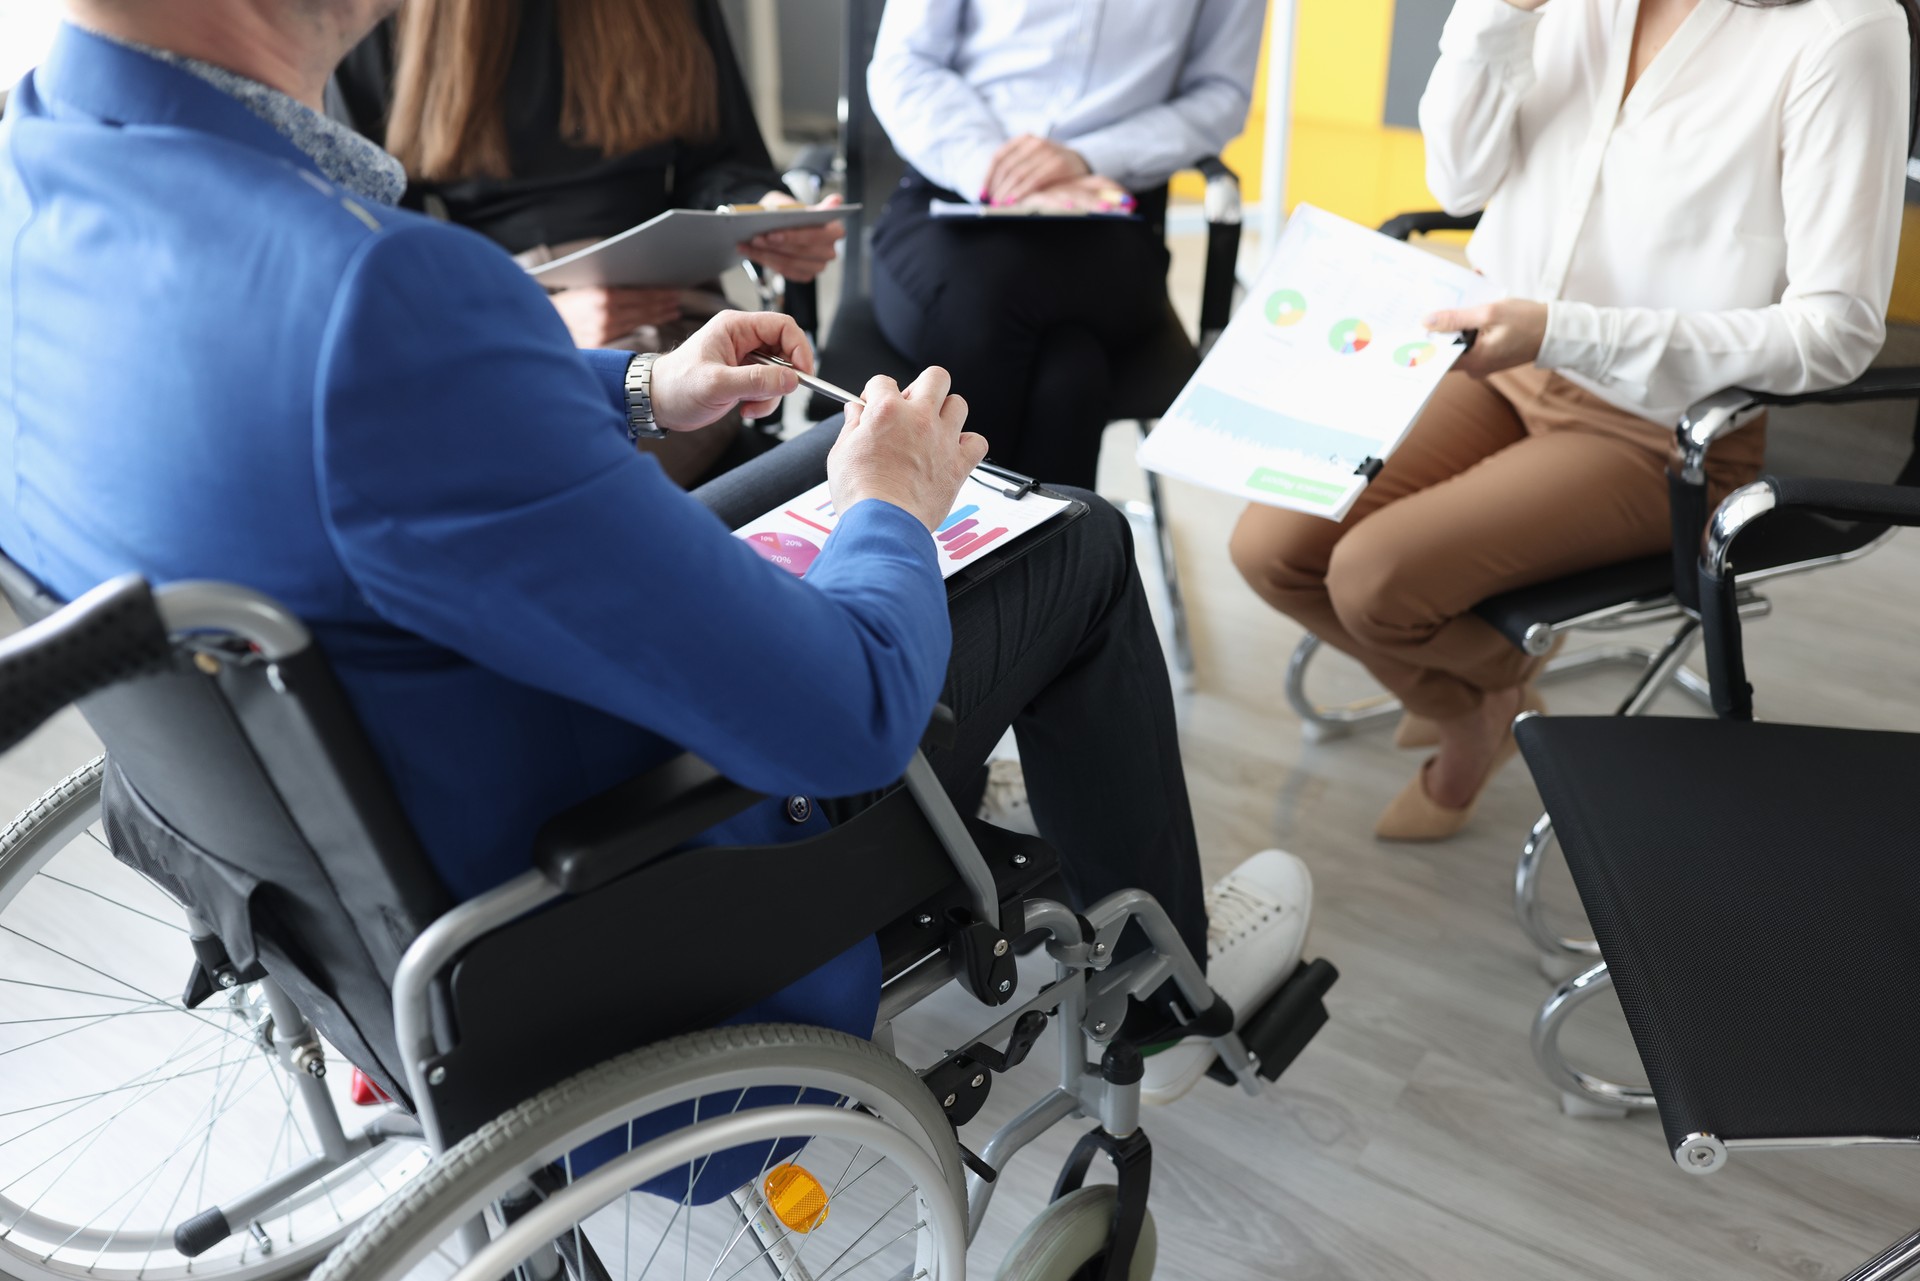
x=26, y=29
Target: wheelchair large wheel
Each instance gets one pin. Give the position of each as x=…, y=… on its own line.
x=123, y=1114
x=839, y=1164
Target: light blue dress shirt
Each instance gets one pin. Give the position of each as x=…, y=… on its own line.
x=1140, y=88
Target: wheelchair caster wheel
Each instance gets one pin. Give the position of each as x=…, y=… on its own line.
x=1071, y=1233
x=1582, y=1108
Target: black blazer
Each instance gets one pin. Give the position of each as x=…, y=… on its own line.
x=561, y=192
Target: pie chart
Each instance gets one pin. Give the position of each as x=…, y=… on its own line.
x=1415, y=354
x=1285, y=307
x=1350, y=337
x=789, y=551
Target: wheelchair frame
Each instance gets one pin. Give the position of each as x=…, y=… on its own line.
x=1088, y=996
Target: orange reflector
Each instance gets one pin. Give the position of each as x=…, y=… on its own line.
x=797, y=1198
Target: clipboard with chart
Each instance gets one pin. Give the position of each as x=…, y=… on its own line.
x=1320, y=373
x=680, y=248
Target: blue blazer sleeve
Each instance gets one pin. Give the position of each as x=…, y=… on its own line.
x=481, y=492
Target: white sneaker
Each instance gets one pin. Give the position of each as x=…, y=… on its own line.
x=1005, y=804
x=1257, y=919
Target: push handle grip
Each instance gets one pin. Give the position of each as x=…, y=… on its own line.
x=111, y=634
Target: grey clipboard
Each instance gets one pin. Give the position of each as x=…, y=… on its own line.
x=678, y=249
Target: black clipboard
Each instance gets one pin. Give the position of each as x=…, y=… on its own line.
x=992, y=563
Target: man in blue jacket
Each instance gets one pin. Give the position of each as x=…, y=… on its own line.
x=224, y=355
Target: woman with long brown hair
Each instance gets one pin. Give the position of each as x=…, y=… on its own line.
x=548, y=124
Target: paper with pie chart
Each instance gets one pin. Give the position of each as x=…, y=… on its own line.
x=1323, y=368
x=983, y=520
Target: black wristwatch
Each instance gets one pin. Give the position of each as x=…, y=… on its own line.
x=640, y=421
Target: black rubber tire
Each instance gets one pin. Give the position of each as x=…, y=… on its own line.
x=1071, y=1233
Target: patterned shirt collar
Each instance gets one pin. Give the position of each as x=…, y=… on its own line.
x=345, y=157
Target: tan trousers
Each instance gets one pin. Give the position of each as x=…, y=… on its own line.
x=1501, y=484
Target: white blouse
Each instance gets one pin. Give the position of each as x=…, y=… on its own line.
x=1733, y=223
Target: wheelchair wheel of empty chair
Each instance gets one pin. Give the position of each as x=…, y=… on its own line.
x=765, y=1150
x=124, y=1114
x=1072, y=1233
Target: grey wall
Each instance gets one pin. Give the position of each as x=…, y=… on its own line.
x=1416, y=47
x=810, y=35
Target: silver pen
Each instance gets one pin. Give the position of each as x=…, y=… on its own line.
x=808, y=381
x=1020, y=485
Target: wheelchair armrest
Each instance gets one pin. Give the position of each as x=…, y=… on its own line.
x=1852, y=500
x=1409, y=225
x=628, y=826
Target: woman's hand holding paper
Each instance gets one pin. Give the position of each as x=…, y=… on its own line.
x=802, y=253
x=1509, y=332
x=601, y=317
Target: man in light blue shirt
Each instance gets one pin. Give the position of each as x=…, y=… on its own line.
x=379, y=420
x=1077, y=104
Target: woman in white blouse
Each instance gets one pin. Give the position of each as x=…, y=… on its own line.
x=1681, y=196
x=1065, y=103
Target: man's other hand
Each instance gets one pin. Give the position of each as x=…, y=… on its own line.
x=697, y=382
x=598, y=317
x=906, y=447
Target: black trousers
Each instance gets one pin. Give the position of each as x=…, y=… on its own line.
x=1058, y=645
x=1031, y=319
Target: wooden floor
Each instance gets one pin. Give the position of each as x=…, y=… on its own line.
x=1415, y=1139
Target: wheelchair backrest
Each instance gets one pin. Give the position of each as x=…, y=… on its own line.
x=245, y=787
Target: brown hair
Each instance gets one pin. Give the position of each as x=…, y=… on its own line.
x=634, y=73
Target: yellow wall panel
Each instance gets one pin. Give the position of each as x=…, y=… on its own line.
x=1340, y=66
x=1905, y=307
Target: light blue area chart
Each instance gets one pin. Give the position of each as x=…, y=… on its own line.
x=1210, y=409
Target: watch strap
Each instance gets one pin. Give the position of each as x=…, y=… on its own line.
x=641, y=424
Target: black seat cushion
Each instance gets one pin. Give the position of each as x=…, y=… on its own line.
x=1784, y=538
x=1560, y=600
x=1145, y=382
x=1152, y=373
x=1755, y=890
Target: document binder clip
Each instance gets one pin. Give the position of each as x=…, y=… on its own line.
x=1369, y=467
x=1016, y=487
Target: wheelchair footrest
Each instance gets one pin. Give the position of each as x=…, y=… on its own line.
x=1277, y=1031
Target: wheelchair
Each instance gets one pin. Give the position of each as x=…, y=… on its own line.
x=550, y=1083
